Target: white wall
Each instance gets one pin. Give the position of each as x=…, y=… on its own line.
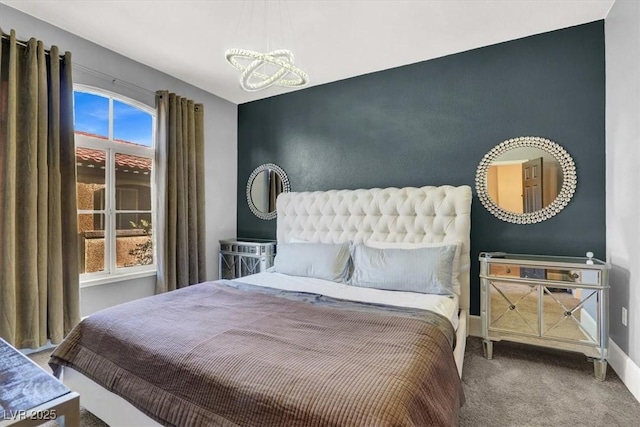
x=622, y=38
x=220, y=138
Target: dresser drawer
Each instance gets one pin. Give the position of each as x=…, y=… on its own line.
x=577, y=276
x=565, y=275
x=505, y=270
x=586, y=277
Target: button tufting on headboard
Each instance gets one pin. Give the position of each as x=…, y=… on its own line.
x=426, y=214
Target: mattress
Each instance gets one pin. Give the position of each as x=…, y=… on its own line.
x=444, y=305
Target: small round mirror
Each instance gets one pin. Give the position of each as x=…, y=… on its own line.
x=263, y=186
x=526, y=180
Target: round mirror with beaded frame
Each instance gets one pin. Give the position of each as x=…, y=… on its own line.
x=275, y=182
x=526, y=215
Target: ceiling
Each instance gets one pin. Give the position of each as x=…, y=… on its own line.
x=331, y=40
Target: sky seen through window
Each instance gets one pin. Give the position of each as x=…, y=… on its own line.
x=130, y=124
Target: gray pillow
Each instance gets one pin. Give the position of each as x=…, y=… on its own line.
x=425, y=270
x=326, y=261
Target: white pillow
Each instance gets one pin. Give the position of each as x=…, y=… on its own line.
x=423, y=270
x=455, y=277
x=326, y=261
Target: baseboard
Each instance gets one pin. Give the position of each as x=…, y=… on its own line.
x=475, y=326
x=28, y=351
x=626, y=369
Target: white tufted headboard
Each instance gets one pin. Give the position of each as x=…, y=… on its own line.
x=426, y=214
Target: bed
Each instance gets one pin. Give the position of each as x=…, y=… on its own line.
x=339, y=372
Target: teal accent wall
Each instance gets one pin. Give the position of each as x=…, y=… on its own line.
x=430, y=123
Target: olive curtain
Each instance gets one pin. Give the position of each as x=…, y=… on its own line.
x=180, y=236
x=39, y=281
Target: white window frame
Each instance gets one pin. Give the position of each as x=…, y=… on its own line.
x=111, y=272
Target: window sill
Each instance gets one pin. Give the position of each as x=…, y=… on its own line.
x=105, y=280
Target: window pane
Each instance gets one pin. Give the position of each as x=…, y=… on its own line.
x=91, y=114
x=91, y=241
x=133, y=183
x=131, y=124
x=91, y=178
x=134, y=245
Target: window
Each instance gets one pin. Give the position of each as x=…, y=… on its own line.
x=114, y=160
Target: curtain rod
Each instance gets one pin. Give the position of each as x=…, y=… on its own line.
x=24, y=44
x=112, y=79
x=96, y=73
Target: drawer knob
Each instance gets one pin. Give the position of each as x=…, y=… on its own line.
x=508, y=270
x=574, y=275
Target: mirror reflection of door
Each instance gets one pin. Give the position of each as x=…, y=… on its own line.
x=524, y=180
x=505, y=185
x=275, y=188
x=532, y=185
x=265, y=189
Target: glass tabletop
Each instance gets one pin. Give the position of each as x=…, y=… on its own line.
x=544, y=259
x=247, y=240
x=26, y=384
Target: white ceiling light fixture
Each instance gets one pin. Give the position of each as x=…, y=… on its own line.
x=261, y=70
x=281, y=58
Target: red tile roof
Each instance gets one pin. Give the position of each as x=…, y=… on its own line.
x=122, y=160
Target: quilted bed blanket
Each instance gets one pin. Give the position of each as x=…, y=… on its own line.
x=225, y=353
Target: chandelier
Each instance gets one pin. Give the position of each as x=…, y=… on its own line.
x=266, y=69
x=275, y=66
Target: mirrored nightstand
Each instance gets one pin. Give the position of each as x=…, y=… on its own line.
x=242, y=257
x=557, y=302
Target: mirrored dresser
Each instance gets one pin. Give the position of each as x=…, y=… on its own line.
x=556, y=302
x=242, y=257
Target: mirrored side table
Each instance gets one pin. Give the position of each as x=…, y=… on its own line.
x=242, y=257
x=555, y=302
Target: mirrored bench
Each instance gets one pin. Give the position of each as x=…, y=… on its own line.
x=556, y=302
x=31, y=396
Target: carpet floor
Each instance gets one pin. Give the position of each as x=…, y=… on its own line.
x=521, y=386
x=532, y=386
